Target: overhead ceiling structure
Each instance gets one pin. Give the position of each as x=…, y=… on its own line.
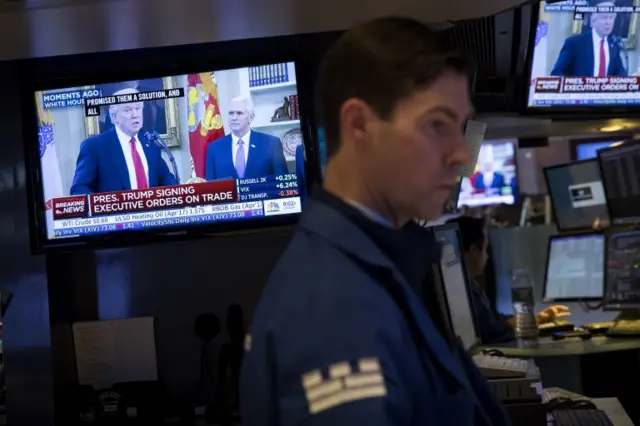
x=57, y=27
x=502, y=127
x=498, y=45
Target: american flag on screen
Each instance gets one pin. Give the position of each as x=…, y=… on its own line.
x=539, y=65
x=541, y=31
x=51, y=177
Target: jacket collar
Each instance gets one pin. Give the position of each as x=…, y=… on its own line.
x=342, y=233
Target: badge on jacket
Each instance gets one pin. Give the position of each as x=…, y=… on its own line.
x=343, y=384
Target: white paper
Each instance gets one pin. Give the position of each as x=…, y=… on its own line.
x=474, y=134
x=115, y=351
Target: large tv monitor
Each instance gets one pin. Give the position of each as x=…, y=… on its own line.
x=622, y=282
x=577, y=195
x=583, y=55
x=494, y=180
x=455, y=283
x=575, y=268
x=209, y=151
x=620, y=171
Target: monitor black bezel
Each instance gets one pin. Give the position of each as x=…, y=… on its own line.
x=606, y=305
x=624, y=145
x=100, y=68
x=553, y=205
x=546, y=267
x=467, y=282
x=514, y=144
x=565, y=112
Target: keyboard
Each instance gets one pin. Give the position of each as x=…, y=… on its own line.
x=554, y=393
x=599, y=326
x=498, y=367
x=624, y=329
x=554, y=327
x=581, y=418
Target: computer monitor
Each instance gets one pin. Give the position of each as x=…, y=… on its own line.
x=456, y=286
x=577, y=195
x=620, y=171
x=589, y=150
x=575, y=268
x=622, y=279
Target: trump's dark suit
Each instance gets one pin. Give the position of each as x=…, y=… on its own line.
x=576, y=57
x=101, y=166
x=265, y=157
x=496, y=183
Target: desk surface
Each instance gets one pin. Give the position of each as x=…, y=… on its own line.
x=614, y=410
x=545, y=346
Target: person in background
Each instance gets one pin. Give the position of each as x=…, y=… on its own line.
x=121, y=158
x=503, y=216
x=492, y=326
x=244, y=153
x=339, y=336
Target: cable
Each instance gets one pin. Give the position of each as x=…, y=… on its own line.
x=587, y=307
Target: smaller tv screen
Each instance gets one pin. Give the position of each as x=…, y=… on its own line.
x=585, y=54
x=589, y=150
x=171, y=152
x=577, y=195
x=494, y=180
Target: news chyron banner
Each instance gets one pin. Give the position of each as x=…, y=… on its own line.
x=179, y=205
x=92, y=105
x=586, y=53
x=571, y=90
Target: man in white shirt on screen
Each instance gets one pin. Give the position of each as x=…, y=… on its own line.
x=487, y=179
x=244, y=153
x=596, y=52
x=121, y=158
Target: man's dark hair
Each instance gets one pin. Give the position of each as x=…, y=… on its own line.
x=381, y=62
x=471, y=231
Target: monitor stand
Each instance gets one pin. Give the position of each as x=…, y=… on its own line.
x=628, y=315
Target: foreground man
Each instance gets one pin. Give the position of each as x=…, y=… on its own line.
x=339, y=337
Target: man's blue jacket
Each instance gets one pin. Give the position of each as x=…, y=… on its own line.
x=330, y=344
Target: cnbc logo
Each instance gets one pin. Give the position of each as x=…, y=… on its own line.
x=272, y=207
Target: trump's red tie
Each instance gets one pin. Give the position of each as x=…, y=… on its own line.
x=141, y=176
x=602, y=72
